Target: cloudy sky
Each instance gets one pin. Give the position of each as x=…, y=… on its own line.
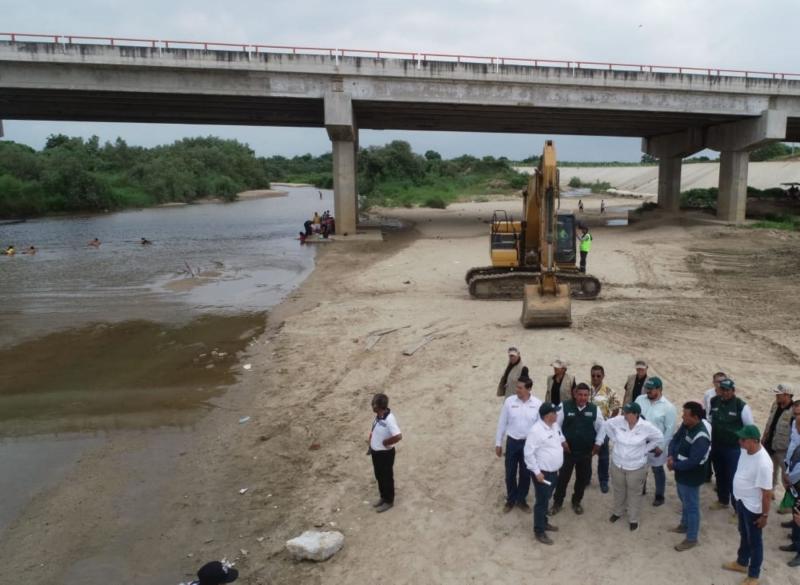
x=717, y=33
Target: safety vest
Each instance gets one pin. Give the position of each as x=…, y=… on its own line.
x=578, y=427
x=726, y=420
x=586, y=242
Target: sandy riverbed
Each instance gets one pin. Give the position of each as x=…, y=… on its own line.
x=690, y=297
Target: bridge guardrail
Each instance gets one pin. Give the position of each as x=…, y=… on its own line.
x=419, y=57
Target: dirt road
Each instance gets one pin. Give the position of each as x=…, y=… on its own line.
x=690, y=297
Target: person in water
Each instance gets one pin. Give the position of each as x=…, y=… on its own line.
x=146, y=242
x=95, y=243
x=10, y=251
x=31, y=250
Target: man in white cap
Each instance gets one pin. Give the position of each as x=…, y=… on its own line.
x=560, y=385
x=508, y=382
x=634, y=386
x=777, y=431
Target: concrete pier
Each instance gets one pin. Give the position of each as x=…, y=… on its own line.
x=669, y=183
x=732, y=198
x=341, y=127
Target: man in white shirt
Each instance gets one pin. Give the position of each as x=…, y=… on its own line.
x=517, y=416
x=385, y=433
x=633, y=438
x=662, y=414
x=752, y=492
x=544, y=455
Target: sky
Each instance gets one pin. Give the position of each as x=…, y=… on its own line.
x=736, y=34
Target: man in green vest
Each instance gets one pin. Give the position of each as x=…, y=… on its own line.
x=585, y=239
x=582, y=425
x=729, y=414
x=689, y=450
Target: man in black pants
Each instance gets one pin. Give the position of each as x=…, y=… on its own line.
x=582, y=425
x=385, y=433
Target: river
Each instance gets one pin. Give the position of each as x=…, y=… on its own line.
x=125, y=337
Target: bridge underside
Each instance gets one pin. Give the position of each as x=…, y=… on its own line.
x=179, y=108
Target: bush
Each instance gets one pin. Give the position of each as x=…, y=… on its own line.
x=435, y=202
x=575, y=183
x=699, y=198
x=600, y=187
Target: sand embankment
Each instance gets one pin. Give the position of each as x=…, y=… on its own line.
x=690, y=297
x=644, y=179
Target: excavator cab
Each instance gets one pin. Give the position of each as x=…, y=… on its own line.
x=504, y=240
x=566, y=248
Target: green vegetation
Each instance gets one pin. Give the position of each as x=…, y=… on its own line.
x=76, y=175
x=596, y=187
x=772, y=151
x=707, y=198
x=779, y=222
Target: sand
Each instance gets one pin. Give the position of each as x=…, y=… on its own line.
x=690, y=297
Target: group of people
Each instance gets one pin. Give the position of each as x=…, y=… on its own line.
x=12, y=251
x=323, y=225
x=548, y=441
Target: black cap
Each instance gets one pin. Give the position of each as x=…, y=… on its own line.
x=547, y=408
x=215, y=573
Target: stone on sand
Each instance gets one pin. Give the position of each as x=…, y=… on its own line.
x=315, y=545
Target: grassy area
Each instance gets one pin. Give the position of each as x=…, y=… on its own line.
x=596, y=187
x=779, y=222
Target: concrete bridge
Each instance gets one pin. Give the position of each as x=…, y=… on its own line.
x=676, y=111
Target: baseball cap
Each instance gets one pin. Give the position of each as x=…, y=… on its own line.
x=632, y=407
x=783, y=389
x=641, y=364
x=513, y=350
x=558, y=364
x=654, y=382
x=727, y=384
x=547, y=408
x=216, y=573
x=749, y=432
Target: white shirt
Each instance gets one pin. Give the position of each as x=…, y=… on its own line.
x=543, y=448
x=517, y=418
x=753, y=474
x=662, y=414
x=631, y=445
x=382, y=429
x=599, y=427
x=707, y=396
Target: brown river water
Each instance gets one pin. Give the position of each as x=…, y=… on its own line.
x=122, y=338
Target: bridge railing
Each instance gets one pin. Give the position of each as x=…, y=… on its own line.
x=419, y=57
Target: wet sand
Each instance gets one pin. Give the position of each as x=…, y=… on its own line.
x=690, y=297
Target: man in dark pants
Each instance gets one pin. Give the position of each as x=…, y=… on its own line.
x=729, y=414
x=585, y=239
x=582, y=425
x=752, y=492
x=544, y=455
x=517, y=416
x=385, y=433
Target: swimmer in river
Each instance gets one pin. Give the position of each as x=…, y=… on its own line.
x=30, y=251
x=146, y=242
x=10, y=251
x=95, y=243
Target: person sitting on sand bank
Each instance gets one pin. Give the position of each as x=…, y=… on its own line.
x=30, y=251
x=95, y=243
x=316, y=219
x=10, y=251
x=146, y=242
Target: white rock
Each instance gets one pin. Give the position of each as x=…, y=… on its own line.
x=315, y=546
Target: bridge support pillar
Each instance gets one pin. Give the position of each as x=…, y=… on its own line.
x=669, y=183
x=1, y=129
x=341, y=127
x=735, y=140
x=732, y=196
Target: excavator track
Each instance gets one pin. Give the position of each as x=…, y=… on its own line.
x=494, y=283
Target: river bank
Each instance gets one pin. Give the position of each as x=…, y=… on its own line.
x=670, y=284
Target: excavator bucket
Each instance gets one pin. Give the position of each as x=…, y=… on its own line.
x=541, y=309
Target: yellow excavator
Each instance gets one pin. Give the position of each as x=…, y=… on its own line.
x=534, y=259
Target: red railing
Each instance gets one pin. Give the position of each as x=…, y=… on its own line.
x=419, y=57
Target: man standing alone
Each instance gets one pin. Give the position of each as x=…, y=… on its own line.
x=385, y=433
x=581, y=423
x=585, y=239
x=662, y=414
x=752, y=490
x=688, y=457
x=513, y=372
x=517, y=416
x=729, y=414
x=544, y=455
